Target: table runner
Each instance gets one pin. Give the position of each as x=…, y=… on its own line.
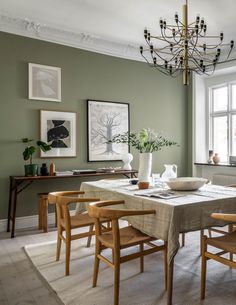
x=189, y=212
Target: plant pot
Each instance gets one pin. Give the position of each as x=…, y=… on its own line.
x=145, y=167
x=31, y=170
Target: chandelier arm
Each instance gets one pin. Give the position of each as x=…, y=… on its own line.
x=164, y=37
x=151, y=65
x=163, y=33
x=205, y=59
x=157, y=37
x=229, y=53
x=194, y=43
x=167, y=48
x=177, y=41
x=159, y=56
x=213, y=47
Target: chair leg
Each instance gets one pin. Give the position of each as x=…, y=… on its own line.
x=141, y=259
x=116, y=277
x=183, y=239
x=40, y=208
x=68, y=246
x=59, y=233
x=96, y=262
x=209, y=233
x=90, y=237
x=203, y=267
x=45, y=214
x=55, y=216
x=201, y=240
x=230, y=230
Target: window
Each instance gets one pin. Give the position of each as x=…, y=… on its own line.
x=222, y=123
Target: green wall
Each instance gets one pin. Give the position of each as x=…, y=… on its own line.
x=156, y=101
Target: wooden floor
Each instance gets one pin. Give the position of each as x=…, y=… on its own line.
x=19, y=282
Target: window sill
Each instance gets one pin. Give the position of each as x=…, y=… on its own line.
x=216, y=165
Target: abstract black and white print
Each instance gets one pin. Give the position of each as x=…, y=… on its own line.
x=58, y=133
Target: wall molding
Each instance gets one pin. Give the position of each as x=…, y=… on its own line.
x=81, y=40
x=26, y=222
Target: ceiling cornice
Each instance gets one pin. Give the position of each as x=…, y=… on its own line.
x=81, y=40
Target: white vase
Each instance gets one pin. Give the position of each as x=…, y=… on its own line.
x=170, y=172
x=145, y=167
x=127, y=158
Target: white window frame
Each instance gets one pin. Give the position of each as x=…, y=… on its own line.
x=229, y=112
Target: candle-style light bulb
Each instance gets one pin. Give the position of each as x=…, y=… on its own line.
x=176, y=17
x=197, y=18
x=221, y=36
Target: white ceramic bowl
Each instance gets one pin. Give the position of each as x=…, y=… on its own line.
x=186, y=183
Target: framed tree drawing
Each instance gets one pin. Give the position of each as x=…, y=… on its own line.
x=105, y=120
x=44, y=83
x=58, y=129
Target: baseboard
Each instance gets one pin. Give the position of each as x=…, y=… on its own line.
x=26, y=222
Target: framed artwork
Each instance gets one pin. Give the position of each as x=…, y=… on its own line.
x=44, y=83
x=105, y=120
x=58, y=129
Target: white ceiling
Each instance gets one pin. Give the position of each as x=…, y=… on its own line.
x=111, y=21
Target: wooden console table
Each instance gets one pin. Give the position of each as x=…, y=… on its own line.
x=20, y=183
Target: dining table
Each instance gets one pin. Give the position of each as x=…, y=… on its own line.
x=176, y=211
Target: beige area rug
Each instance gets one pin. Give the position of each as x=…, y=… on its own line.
x=135, y=288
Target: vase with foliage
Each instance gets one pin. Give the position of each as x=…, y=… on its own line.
x=146, y=141
x=31, y=147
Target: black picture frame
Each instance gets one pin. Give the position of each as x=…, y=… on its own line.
x=102, y=115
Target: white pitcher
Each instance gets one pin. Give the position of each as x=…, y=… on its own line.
x=170, y=171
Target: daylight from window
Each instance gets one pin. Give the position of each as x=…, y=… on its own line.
x=222, y=120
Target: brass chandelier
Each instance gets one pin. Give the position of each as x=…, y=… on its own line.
x=185, y=47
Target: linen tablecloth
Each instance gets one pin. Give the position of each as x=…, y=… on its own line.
x=189, y=212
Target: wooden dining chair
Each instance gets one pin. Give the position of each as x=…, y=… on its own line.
x=226, y=243
x=231, y=228
x=66, y=223
x=120, y=238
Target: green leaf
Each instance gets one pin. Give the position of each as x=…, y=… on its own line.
x=28, y=152
x=44, y=146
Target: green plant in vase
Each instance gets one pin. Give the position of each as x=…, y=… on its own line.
x=146, y=141
x=31, y=147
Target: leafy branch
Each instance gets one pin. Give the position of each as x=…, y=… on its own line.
x=145, y=141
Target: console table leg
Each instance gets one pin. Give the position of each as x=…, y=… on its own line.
x=14, y=213
x=9, y=205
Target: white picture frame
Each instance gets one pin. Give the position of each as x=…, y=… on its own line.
x=44, y=83
x=58, y=129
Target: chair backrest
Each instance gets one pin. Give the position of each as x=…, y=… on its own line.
x=99, y=210
x=62, y=201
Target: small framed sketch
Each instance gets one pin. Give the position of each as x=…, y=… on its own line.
x=58, y=129
x=105, y=120
x=44, y=83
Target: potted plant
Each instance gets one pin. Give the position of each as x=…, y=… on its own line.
x=32, y=169
x=146, y=141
